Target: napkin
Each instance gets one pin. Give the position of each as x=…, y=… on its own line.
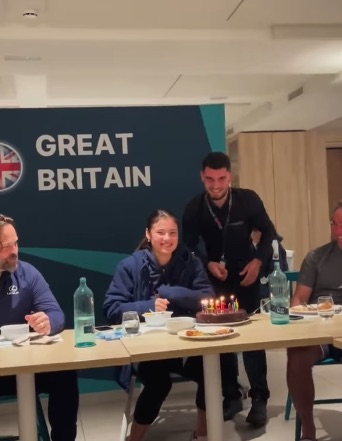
x=33, y=338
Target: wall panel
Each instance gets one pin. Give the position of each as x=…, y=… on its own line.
x=291, y=195
x=255, y=161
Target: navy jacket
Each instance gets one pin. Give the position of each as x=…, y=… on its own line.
x=25, y=290
x=184, y=282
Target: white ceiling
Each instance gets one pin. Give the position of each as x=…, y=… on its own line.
x=247, y=54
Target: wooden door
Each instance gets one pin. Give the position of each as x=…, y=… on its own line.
x=334, y=170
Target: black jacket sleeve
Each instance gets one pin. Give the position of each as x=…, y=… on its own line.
x=259, y=219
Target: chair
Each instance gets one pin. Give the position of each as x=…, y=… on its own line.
x=292, y=276
x=42, y=430
x=298, y=424
x=127, y=415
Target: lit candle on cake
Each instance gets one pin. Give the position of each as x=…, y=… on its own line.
x=205, y=304
x=236, y=305
x=202, y=304
x=211, y=305
x=222, y=304
x=217, y=306
x=232, y=298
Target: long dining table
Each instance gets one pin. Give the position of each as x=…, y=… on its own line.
x=157, y=344
x=257, y=334
x=337, y=342
x=25, y=361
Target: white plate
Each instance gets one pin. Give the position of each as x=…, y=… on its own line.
x=224, y=324
x=300, y=309
x=206, y=336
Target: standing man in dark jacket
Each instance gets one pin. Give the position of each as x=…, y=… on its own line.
x=224, y=217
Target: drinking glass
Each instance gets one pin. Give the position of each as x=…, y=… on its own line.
x=325, y=307
x=131, y=323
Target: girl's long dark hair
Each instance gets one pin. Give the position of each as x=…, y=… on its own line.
x=153, y=218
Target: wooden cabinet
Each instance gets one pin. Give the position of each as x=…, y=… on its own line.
x=290, y=191
x=255, y=167
x=287, y=173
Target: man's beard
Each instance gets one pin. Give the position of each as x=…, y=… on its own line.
x=219, y=196
x=7, y=265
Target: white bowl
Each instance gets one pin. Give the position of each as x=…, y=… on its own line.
x=175, y=324
x=157, y=318
x=11, y=332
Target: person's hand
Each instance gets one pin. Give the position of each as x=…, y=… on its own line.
x=218, y=270
x=39, y=322
x=256, y=236
x=160, y=304
x=251, y=272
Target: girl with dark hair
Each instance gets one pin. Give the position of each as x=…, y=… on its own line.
x=160, y=275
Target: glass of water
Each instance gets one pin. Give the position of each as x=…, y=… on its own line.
x=325, y=307
x=131, y=323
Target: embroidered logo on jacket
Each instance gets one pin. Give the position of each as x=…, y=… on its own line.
x=12, y=290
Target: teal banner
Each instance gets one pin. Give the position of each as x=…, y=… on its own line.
x=80, y=183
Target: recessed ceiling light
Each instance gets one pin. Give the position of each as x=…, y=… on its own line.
x=21, y=58
x=30, y=14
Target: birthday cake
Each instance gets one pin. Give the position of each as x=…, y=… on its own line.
x=217, y=311
x=226, y=316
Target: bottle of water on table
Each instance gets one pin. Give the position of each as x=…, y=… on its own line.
x=280, y=300
x=84, y=317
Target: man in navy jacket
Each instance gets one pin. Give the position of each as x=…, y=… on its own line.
x=26, y=297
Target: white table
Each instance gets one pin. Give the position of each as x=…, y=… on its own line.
x=25, y=361
x=258, y=334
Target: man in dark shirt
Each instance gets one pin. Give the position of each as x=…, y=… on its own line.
x=223, y=218
x=320, y=275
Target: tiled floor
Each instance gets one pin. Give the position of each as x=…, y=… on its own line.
x=100, y=414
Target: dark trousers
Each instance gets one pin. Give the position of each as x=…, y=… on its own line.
x=254, y=361
x=157, y=381
x=63, y=394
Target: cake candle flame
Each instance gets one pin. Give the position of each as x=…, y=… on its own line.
x=222, y=304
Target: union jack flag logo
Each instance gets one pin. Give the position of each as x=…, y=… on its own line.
x=11, y=167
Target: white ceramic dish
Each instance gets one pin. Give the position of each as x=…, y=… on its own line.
x=207, y=333
x=302, y=310
x=11, y=332
x=224, y=324
x=157, y=318
x=175, y=324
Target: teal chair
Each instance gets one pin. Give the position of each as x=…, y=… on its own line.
x=292, y=276
x=42, y=430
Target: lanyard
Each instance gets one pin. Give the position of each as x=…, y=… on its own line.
x=221, y=227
